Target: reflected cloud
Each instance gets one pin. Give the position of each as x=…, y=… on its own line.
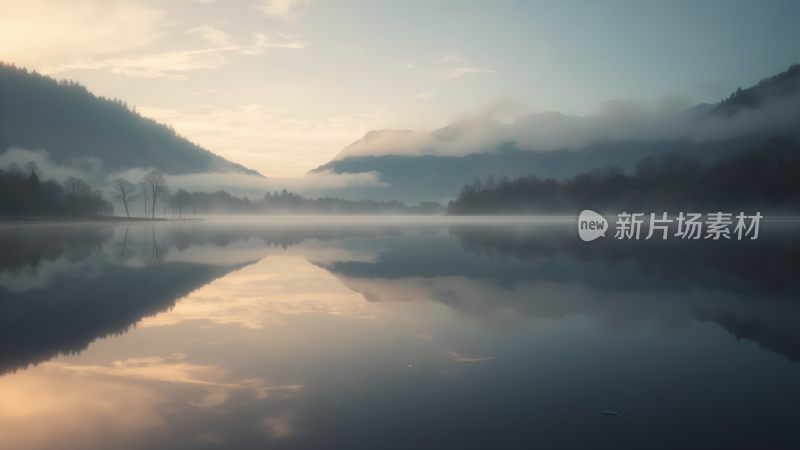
x=279, y=427
x=466, y=359
x=62, y=287
x=176, y=368
x=268, y=293
x=250, y=333
x=85, y=404
x=46, y=408
x=502, y=274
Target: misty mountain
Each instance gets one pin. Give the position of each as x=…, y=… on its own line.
x=420, y=166
x=80, y=129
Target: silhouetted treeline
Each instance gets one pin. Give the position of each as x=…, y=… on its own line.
x=22, y=192
x=765, y=178
x=290, y=203
x=69, y=122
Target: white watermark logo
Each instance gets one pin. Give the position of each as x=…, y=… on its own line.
x=591, y=225
x=687, y=226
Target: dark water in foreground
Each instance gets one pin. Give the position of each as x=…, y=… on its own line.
x=394, y=335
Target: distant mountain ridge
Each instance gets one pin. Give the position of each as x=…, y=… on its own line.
x=435, y=173
x=72, y=124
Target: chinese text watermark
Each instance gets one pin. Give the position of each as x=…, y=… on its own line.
x=687, y=226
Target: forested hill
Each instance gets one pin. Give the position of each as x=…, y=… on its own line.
x=69, y=122
x=762, y=178
x=782, y=85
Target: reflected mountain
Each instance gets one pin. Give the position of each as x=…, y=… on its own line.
x=476, y=333
x=63, y=287
x=495, y=273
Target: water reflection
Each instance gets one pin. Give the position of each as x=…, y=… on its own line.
x=749, y=288
x=393, y=335
x=63, y=287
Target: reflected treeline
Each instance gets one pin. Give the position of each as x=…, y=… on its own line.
x=67, y=316
x=61, y=287
x=544, y=271
x=765, y=267
x=29, y=247
x=275, y=234
x=64, y=286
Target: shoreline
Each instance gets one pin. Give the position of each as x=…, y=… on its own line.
x=331, y=219
x=29, y=220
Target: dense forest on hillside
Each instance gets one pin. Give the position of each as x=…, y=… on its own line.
x=782, y=85
x=70, y=123
x=24, y=192
x=763, y=177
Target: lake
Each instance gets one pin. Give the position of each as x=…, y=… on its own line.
x=395, y=333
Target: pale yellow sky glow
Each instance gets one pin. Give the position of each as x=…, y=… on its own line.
x=258, y=82
x=282, y=86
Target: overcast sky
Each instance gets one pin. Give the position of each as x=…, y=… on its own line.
x=282, y=85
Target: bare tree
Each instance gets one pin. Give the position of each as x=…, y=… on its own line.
x=125, y=191
x=157, y=187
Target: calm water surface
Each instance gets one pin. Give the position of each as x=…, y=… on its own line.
x=394, y=335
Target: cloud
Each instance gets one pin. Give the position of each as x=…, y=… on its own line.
x=313, y=184
x=174, y=64
x=319, y=182
x=211, y=34
x=449, y=59
x=170, y=64
x=615, y=121
x=283, y=9
x=42, y=34
x=424, y=95
x=81, y=168
x=458, y=72
x=457, y=67
x=253, y=186
x=119, y=36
